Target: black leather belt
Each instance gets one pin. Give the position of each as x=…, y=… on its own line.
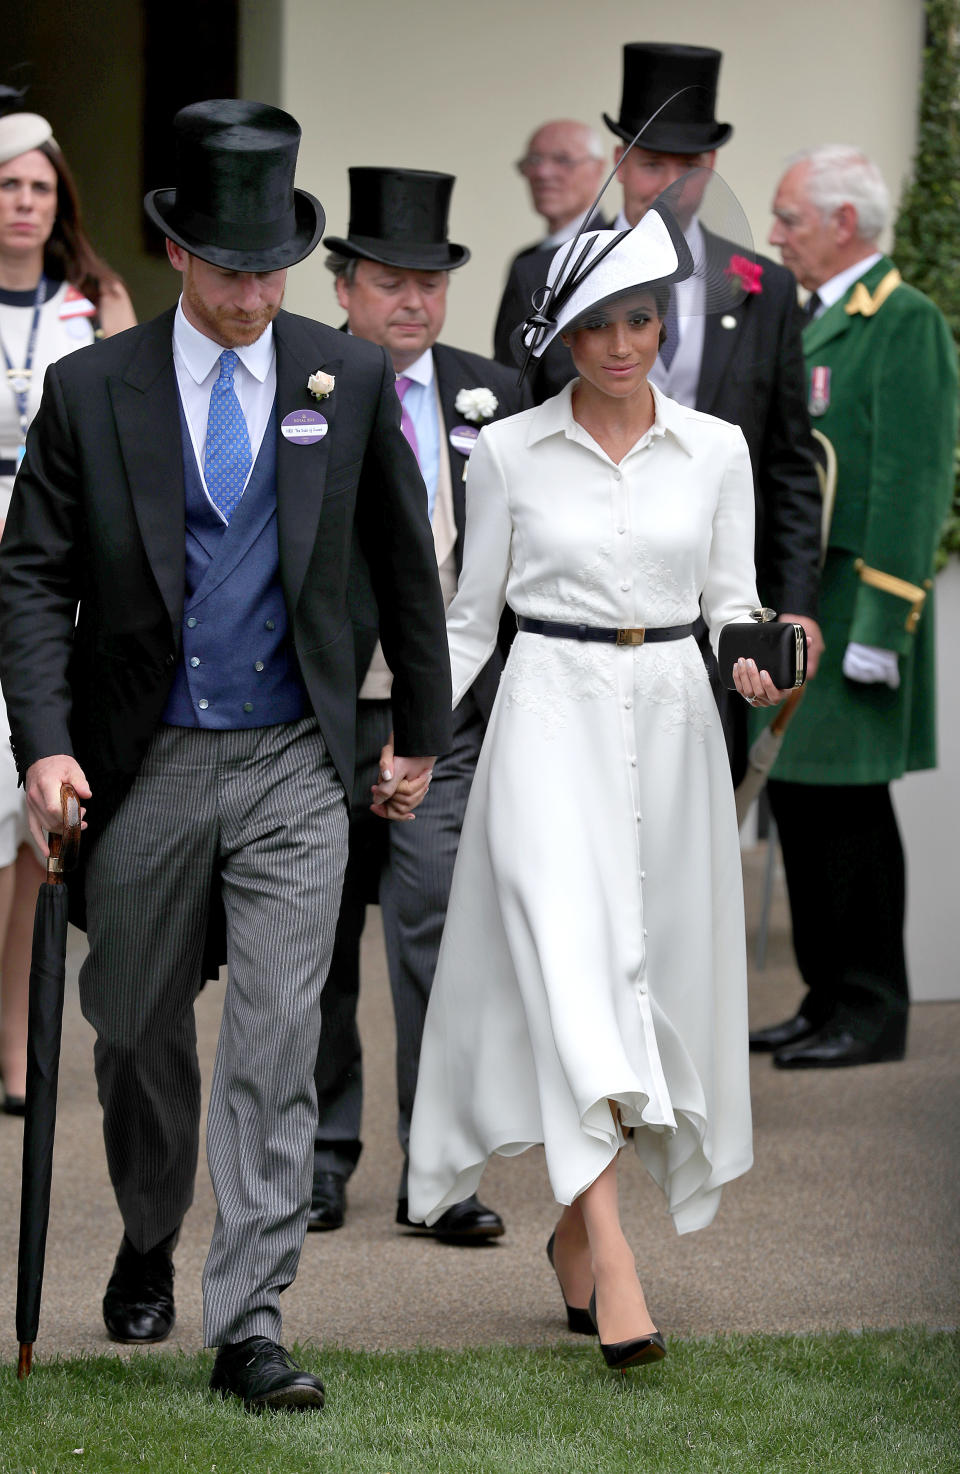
x=638, y=636
x=8, y=468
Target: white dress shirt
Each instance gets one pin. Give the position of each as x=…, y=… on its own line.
x=196, y=359
x=682, y=379
x=565, y=233
x=831, y=291
x=421, y=405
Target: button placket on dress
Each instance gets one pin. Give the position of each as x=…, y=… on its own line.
x=625, y=676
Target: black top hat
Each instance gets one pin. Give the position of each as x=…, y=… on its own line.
x=652, y=72
x=234, y=203
x=399, y=217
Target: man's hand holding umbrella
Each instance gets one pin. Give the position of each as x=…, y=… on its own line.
x=42, y=786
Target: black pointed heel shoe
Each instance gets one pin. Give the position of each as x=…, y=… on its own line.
x=622, y=1354
x=578, y=1319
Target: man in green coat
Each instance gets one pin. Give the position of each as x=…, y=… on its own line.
x=882, y=383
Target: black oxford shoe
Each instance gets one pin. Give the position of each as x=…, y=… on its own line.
x=263, y=1374
x=779, y=1036
x=138, y=1304
x=468, y=1222
x=831, y=1049
x=328, y=1201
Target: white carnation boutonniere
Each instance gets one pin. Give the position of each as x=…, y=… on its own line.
x=321, y=385
x=476, y=405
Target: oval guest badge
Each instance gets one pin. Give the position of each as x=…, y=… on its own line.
x=463, y=438
x=303, y=426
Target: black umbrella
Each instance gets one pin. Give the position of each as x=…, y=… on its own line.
x=47, y=970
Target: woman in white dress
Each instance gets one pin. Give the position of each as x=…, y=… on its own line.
x=53, y=289
x=591, y=985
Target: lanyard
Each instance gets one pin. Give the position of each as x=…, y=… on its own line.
x=19, y=379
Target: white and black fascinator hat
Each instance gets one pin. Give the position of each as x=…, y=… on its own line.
x=695, y=229
x=609, y=265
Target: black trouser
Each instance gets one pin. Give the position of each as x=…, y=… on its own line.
x=847, y=887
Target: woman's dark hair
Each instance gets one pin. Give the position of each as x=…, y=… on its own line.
x=68, y=254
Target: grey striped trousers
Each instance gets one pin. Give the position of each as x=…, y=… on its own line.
x=262, y=811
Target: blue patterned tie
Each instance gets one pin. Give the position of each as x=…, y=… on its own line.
x=226, y=456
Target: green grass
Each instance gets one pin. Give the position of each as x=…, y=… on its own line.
x=878, y=1403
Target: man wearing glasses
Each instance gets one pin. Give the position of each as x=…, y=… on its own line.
x=564, y=167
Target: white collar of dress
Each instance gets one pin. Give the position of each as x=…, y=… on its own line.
x=555, y=417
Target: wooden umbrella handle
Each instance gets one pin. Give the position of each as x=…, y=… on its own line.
x=65, y=847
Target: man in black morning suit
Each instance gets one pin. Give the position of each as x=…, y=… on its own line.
x=745, y=365
x=564, y=166
x=177, y=644
x=392, y=270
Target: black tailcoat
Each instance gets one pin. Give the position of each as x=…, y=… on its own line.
x=92, y=559
x=752, y=374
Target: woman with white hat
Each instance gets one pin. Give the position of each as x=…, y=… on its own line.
x=56, y=294
x=591, y=986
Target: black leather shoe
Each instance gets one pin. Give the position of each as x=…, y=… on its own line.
x=138, y=1304
x=263, y=1374
x=779, y=1036
x=622, y=1354
x=468, y=1222
x=14, y=1105
x=832, y=1048
x=328, y=1201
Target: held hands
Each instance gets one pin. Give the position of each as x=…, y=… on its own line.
x=403, y=784
x=42, y=787
x=755, y=686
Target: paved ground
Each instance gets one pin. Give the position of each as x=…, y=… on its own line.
x=849, y=1217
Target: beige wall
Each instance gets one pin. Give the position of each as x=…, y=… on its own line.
x=459, y=88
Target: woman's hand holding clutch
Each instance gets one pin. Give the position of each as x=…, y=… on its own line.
x=756, y=686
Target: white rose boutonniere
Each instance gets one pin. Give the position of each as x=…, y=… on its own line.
x=476, y=405
x=321, y=385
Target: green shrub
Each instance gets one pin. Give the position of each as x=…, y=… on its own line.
x=927, y=233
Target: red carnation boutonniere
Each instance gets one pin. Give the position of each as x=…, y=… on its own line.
x=749, y=273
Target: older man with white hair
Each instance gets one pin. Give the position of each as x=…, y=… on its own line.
x=564, y=166
x=882, y=385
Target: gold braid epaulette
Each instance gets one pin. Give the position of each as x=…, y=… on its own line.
x=888, y=583
x=861, y=301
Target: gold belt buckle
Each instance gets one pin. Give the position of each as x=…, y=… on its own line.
x=631, y=637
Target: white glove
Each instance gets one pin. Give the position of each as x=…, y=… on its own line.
x=868, y=663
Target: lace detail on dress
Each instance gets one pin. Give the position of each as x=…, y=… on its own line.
x=677, y=682
x=543, y=678
x=675, y=602
x=549, y=598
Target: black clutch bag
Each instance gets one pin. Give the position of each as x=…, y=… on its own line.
x=778, y=648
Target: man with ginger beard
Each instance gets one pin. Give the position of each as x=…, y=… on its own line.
x=176, y=644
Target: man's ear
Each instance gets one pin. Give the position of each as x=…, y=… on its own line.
x=845, y=223
x=343, y=292
x=176, y=255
